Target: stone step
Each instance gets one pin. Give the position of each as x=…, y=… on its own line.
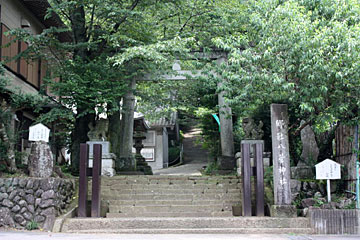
x=163, y=183
x=201, y=231
x=170, y=202
x=166, y=179
x=170, y=191
x=122, y=177
x=216, y=196
x=169, y=208
x=172, y=186
x=170, y=214
x=188, y=224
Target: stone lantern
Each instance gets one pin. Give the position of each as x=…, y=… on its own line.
x=139, y=135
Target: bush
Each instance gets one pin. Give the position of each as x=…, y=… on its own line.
x=174, y=153
x=211, y=169
x=32, y=225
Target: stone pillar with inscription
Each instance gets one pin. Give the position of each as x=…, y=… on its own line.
x=281, y=162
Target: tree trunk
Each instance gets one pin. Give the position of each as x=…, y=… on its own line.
x=7, y=127
x=325, y=143
x=345, y=145
x=10, y=151
x=79, y=135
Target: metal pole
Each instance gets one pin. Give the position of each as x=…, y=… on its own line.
x=357, y=184
x=328, y=190
x=357, y=166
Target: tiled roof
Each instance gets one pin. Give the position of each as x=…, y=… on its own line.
x=165, y=122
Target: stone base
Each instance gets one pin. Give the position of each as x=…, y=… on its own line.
x=105, y=146
x=283, y=211
x=142, y=166
x=125, y=164
x=107, y=166
x=226, y=163
x=302, y=172
x=129, y=173
x=266, y=162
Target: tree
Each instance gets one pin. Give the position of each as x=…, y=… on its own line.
x=112, y=42
x=304, y=53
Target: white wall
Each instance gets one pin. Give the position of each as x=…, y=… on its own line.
x=159, y=151
x=165, y=148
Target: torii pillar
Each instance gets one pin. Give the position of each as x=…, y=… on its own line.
x=227, y=159
x=127, y=161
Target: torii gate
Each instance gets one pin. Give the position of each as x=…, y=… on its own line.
x=227, y=160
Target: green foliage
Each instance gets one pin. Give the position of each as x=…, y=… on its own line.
x=3, y=168
x=11, y=101
x=295, y=51
x=297, y=201
x=319, y=202
x=352, y=205
x=211, y=169
x=32, y=225
x=269, y=177
x=174, y=153
x=209, y=131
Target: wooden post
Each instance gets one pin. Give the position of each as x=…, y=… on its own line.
x=96, y=181
x=258, y=159
x=246, y=181
x=83, y=183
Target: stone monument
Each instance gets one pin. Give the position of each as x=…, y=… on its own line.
x=309, y=155
x=41, y=162
x=97, y=135
x=281, y=162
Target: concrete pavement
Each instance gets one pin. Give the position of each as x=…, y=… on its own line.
x=38, y=235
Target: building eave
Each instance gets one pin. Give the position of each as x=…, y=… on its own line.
x=39, y=9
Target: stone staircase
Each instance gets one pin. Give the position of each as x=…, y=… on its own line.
x=193, y=151
x=170, y=196
x=177, y=204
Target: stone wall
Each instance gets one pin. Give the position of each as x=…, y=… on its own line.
x=23, y=200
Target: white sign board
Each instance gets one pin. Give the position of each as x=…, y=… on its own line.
x=328, y=169
x=148, y=154
x=39, y=132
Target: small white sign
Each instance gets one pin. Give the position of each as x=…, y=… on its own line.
x=39, y=132
x=328, y=169
x=148, y=154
